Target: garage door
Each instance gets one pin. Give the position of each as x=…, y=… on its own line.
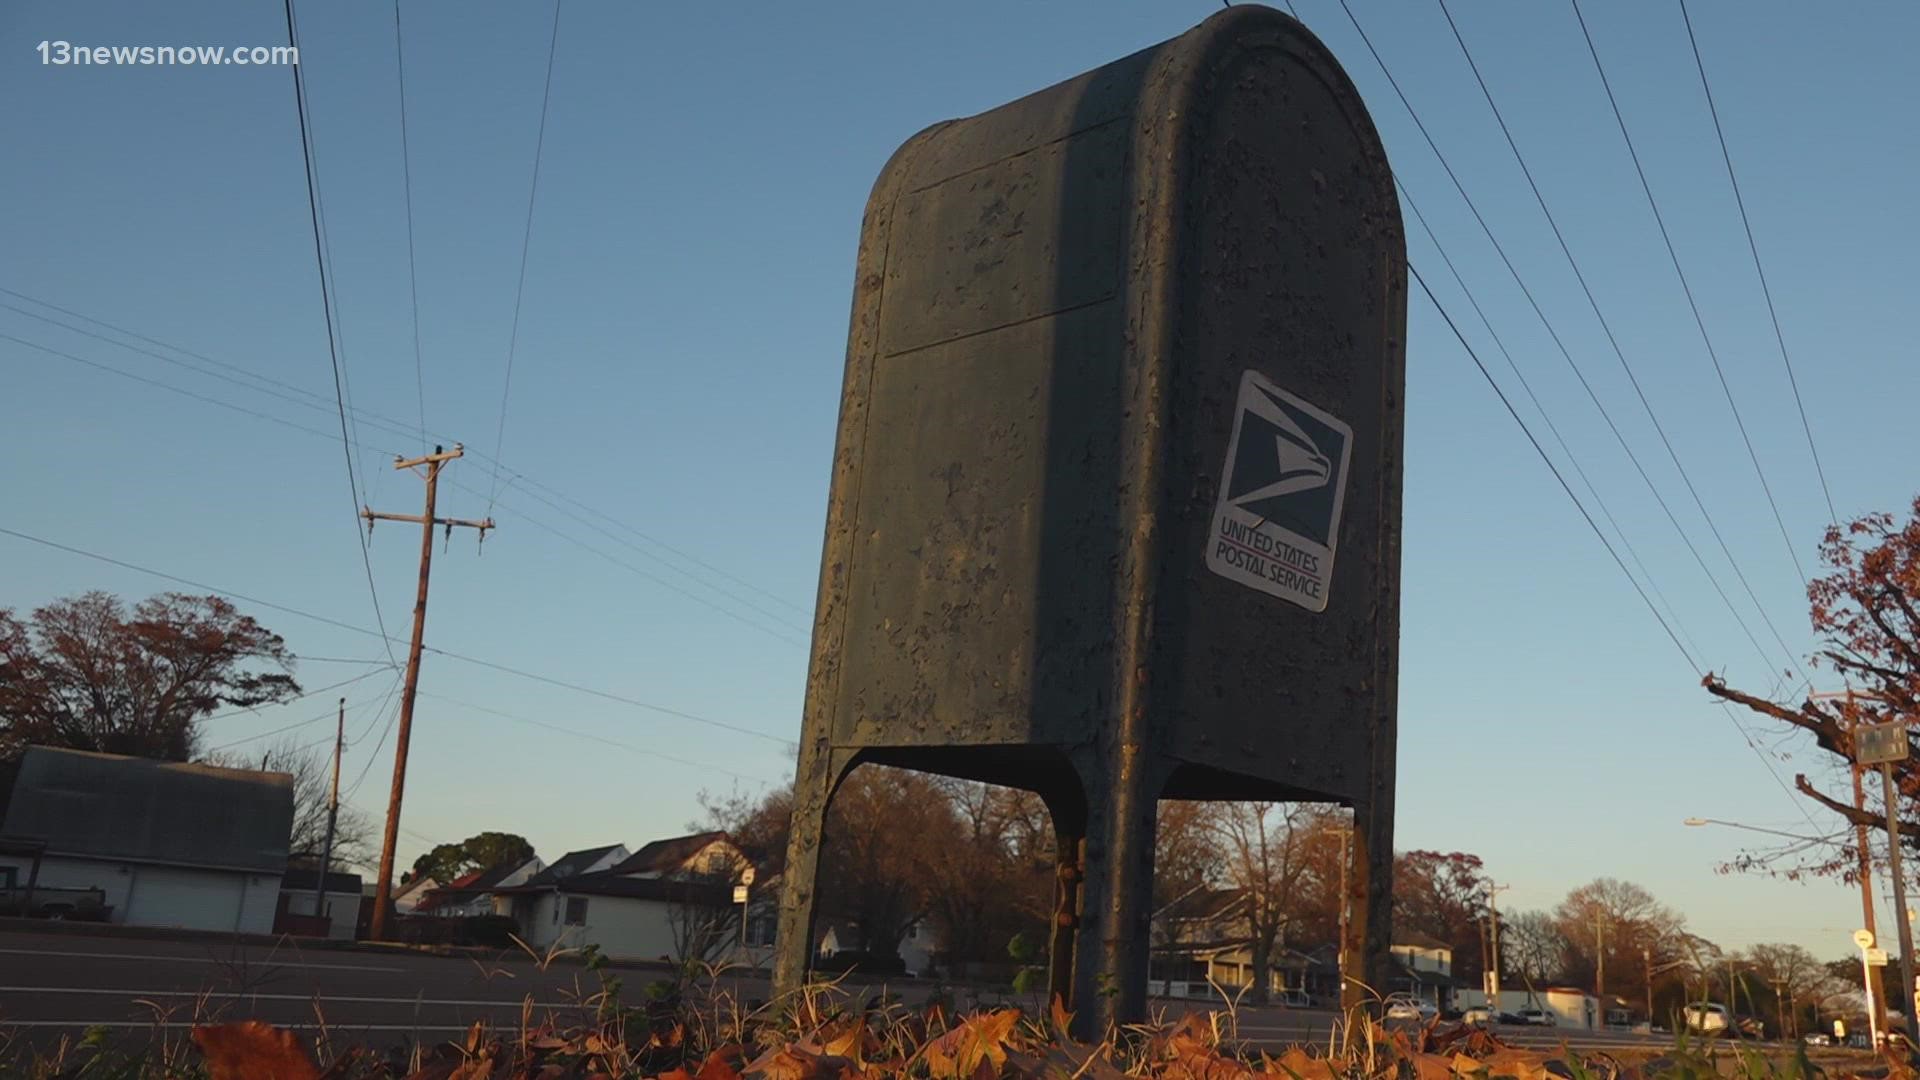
x=195, y=900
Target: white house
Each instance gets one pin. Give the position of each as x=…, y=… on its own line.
x=918, y=945
x=1571, y=1007
x=478, y=893
x=671, y=900
x=339, y=901
x=1423, y=967
x=156, y=843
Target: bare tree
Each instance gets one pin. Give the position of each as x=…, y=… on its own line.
x=312, y=770
x=1616, y=925
x=1533, y=948
x=1271, y=856
x=1866, y=610
x=704, y=924
x=84, y=673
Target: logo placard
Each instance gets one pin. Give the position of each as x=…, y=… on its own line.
x=1278, y=517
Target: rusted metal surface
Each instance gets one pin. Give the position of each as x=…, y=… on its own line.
x=1055, y=307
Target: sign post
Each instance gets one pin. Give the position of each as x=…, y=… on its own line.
x=1864, y=939
x=1882, y=745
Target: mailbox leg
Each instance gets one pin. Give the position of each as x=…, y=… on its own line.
x=1366, y=945
x=1069, y=812
x=1112, y=945
x=819, y=777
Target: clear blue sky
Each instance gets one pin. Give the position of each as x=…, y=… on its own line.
x=681, y=342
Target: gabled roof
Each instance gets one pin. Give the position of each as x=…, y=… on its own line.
x=668, y=890
x=484, y=879
x=113, y=807
x=572, y=864
x=493, y=875
x=1414, y=939
x=1203, y=904
x=666, y=856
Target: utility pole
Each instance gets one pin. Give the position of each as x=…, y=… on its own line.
x=1493, y=911
x=333, y=814
x=383, y=888
x=1646, y=958
x=1340, y=950
x=1876, y=1001
x=1600, y=959
x=1780, y=1003
x=1899, y=894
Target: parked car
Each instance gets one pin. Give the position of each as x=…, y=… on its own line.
x=1479, y=1016
x=1408, y=1007
x=1538, y=1018
x=1817, y=1039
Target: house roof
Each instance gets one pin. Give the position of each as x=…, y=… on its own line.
x=666, y=856
x=1404, y=973
x=301, y=879
x=611, y=883
x=571, y=864
x=1203, y=904
x=139, y=810
x=492, y=875
x=1417, y=940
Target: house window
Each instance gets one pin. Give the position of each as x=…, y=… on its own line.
x=8, y=876
x=760, y=930
x=576, y=911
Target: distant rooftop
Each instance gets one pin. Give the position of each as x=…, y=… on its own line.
x=107, y=806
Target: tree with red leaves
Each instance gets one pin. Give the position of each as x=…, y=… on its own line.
x=1866, y=610
x=83, y=673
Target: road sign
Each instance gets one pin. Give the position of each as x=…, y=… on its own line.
x=1876, y=958
x=1863, y=938
x=740, y=897
x=746, y=876
x=1878, y=744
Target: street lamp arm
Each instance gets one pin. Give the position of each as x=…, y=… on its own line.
x=1758, y=829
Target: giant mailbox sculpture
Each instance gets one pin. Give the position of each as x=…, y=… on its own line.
x=1115, y=512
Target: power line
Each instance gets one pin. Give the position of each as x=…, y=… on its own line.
x=778, y=619
x=255, y=710
x=595, y=738
x=526, y=244
x=406, y=173
x=1559, y=343
x=155, y=383
x=655, y=578
x=1754, y=248
x=329, y=714
x=1554, y=469
x=526, y=481
x=326, y=304
x=1572, y=459
x=1687, y=288
x=1607, y=329
x=392, y=426
x=321, y=402
x=1591, y=524
x=551, y=681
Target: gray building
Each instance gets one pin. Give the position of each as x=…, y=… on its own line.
x=153, y=843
